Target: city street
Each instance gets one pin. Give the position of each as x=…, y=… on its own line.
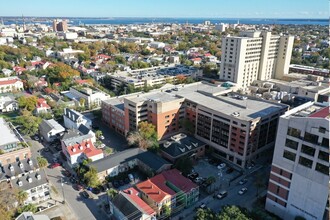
x=233, y=198
x=83, y=209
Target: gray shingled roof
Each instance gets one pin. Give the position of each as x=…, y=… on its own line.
x=83, y=129
x=148, y=158
x=26, y=185
x=6, y=171
x=183, y=146
x=69, y=113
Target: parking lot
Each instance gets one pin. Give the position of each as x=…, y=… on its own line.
x=222, y=177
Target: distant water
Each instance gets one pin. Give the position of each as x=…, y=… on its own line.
x=90, y=21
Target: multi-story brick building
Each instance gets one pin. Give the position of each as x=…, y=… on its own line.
x=237, y=127
x=299, y=178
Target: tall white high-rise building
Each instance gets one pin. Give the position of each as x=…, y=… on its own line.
x=255, y=56
x=299, y=178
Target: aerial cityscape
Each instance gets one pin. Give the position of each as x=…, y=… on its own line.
x=155, y=110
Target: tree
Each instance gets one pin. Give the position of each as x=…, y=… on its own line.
x=8, y=200
x=166, y=211
x=205, y=214
x=28, y=103
x=147, y=130
x=98, y=133
x=112, y=193
x=232, y=212
x=42, y=162
x=91, y=178
x=30, y=123
x=184, y=164
x=82, y=101
x=22, y=196
x=28, y=208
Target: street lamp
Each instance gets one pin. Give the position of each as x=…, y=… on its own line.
x=62, y=183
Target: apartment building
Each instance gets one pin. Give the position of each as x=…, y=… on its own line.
x=299, y=178
x=255, y=56
x=238, y=128
x=92, y=97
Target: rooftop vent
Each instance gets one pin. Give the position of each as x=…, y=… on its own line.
x=30, y=162
x=20, y=164
x=38, y=176
x=88, y=145
x=11, y=167
x=29, y=179
x=73, y=149
x=189, y=147
x=80, y=147
x=20, y=183
x=182, y=149
x=235, y=114
x=167, y=144
x=195, y=144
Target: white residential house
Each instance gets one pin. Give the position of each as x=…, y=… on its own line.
x=73, y=119
x=77, y=147
x=50, y=130
x=10, y=84
x=8, y=104
x=92, y=97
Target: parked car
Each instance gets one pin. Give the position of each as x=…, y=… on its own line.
x=85, y=194
x=101, y=146
x=131, y=177
x=222, y=194
x=96, y=190
x=115, y=184
x=201, y=206
x=36, y=138
x=242, y=191
x=242, y=182
x=73, y=180
x=54, y=165
x=221, y=166
x=101, y=137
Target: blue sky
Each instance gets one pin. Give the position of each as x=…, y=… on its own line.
x=168, y=8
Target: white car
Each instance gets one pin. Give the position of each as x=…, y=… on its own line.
x=242, y=191
x=101, y=137
x=102, y=146
x=242, y=182
x=221, y=166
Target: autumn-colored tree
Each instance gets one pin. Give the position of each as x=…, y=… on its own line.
x=28, y=103
x=147, y=130
x=180, y=79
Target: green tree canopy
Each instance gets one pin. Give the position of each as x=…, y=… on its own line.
x=27, y=102
x=30, y=124
x=42, y=162
x=91, y=177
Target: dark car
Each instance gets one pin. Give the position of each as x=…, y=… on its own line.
x=115, y=184
x=121, y=182
x=201, y=206
x=96, y=190
x=85, y=194
x=126, y=180
x=73, y=180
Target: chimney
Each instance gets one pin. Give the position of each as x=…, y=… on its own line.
x=20, y=165
x=30, y=162
x=87, y=145
x=73, y=149
x=11, y=167
x=80, y=147
x=38, y=176
x=130, y=192
x=20, y=183
x=29, y=179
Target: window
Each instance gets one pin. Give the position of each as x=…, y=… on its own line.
x=305, y=162
x=322, y=130
x=291, y=144
x=294, y=132
x=167, y=116
x=289, y=155
x=322, y=168
x=307, y=150
x=325, y=142
x=324, y=156
x=312, y=138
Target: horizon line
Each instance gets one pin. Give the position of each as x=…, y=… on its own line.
x=150, y=17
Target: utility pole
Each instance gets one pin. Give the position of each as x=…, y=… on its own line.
x=62, y=182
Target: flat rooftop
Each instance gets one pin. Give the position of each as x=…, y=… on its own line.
x=309, y=109
x=7, y=134
x=157, y=96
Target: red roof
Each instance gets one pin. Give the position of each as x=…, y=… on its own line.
x=34, y=63
x=9, y=82
x=42, y=103
x=323, y=113
x=18, y=69
x=174, y=176
x=156, y=187
x=82, y=81
x=152, y=190
x=133, y=194
x=207, y=54
x=85, y=147
x=196, y=59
